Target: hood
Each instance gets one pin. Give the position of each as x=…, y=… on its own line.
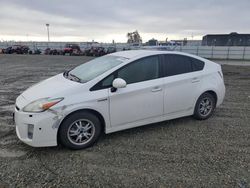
x=56, y=86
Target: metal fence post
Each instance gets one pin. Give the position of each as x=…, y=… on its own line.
x=244, y=53
x=212, y=55
x=228, y=52
x=197, y=52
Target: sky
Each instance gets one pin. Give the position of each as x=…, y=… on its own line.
x=107, y=20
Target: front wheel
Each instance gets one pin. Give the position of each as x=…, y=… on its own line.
x=204, y=107
x=80, y=130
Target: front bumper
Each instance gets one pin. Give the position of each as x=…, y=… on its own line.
x=44, y=132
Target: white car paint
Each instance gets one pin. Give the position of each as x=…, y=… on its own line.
x=136, y=102
x=134, y=105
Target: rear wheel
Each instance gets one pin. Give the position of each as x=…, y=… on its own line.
x=204, y=107
x=80, y=130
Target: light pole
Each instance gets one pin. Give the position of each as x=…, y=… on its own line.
x=47, y=25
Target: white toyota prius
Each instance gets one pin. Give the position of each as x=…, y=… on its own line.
x=116, y=92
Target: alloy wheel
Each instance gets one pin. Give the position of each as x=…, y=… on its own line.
x=205, y=106
x=81, y=131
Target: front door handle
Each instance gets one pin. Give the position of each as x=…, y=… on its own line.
x=156, y=89
x=102, y=99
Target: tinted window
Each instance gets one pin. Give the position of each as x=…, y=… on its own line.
x=177, y=64
x=107, y=82
x=197, y=64
x=140, y=70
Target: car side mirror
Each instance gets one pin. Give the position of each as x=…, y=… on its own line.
x=118, y=83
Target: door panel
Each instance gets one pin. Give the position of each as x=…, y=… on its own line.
x=181, y=82
x=136, y=102
x=180, y=92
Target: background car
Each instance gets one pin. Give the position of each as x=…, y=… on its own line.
x=7, y=50
x=98, y=51
x=110, y=50
x=18, y=49
x=55, y=52
x=87, y=51
x=72, y=49
x=24, y=50
x=36, y=51
x=49, y=51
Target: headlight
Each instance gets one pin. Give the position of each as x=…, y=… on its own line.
x=41, y=105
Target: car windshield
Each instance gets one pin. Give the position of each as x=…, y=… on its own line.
x=95, y=67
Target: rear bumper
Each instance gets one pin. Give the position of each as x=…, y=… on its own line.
x=44, y=132
x=221, y=94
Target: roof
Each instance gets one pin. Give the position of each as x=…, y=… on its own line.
x=130, y=54
x=134, y=54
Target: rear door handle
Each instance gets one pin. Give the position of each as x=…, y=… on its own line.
x=156, y=89
x=194, y=80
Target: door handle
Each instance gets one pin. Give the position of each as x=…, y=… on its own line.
x=103, y=99
x=194, y=80
x=156, y=89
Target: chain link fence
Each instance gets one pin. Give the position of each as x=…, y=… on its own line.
x=217, y=52
x=210, y=52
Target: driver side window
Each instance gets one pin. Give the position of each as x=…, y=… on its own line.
x=138, y=71
x=107, y=82
x=141, y=70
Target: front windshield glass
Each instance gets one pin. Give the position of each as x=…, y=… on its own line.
x=95, y=67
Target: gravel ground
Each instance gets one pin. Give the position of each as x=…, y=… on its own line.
x=178, y=153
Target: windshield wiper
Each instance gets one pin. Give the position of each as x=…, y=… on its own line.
x=75, y=78
x=66, y=73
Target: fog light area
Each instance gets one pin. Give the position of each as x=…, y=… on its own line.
x=30, y=131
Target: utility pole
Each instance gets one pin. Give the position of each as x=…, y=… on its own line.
x=47, y=25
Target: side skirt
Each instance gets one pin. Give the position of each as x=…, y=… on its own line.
x=148, y=121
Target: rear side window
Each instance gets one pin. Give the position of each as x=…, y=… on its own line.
x=197, y=64
x=180, y=64
x=177, y=64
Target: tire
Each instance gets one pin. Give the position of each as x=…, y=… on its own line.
x=75, y=135
x=204, y=107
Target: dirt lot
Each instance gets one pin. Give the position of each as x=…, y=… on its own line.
x=178, y=153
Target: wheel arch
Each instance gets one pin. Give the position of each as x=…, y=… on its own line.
x=210, y=91
x=95, y=112
x=196, y=112
x=214, y=94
